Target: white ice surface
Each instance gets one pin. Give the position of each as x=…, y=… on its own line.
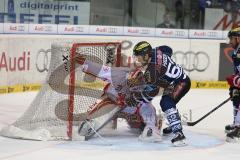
x=206, y=140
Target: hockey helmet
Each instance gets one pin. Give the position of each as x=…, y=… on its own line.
x=142, y=48
x=166, y=50
x=234, y=32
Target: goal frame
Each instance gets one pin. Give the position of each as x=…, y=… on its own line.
x=55, y=112
x=72, y=77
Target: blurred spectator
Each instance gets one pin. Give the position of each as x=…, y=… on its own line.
x=179, y=19
x=202, y=5
x=198, y=13
x=166, y=21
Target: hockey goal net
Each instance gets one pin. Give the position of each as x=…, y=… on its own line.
x=67, y=92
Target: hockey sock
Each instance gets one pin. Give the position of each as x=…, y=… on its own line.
x=174, y=120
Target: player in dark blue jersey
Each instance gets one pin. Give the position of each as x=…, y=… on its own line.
x=162, y=72
x=233, y=130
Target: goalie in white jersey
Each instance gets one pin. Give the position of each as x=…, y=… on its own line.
x=120, y=79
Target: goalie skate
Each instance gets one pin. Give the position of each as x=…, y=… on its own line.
x=150, y=135
x=87, y=127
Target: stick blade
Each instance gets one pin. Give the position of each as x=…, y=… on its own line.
x=191, y=123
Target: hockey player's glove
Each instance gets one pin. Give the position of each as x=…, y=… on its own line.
x=234, y=93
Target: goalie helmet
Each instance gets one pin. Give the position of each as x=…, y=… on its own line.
x=135, y=78
x=234, y=32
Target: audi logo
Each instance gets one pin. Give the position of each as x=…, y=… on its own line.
x=112, y=30
x=179, y=33
x=145, y=31
x=192, y=61
x=43, y=60
x=79, y=29
x=212, y=34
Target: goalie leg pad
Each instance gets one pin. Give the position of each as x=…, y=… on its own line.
x=148, y=114
x=104, y=106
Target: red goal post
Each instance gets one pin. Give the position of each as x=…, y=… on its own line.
x=108, y=45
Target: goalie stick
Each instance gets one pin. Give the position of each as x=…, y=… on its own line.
x=203, y=117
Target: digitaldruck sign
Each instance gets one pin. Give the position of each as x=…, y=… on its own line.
x=45, y=12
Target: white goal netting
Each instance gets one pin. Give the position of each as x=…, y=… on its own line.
x=54, y=114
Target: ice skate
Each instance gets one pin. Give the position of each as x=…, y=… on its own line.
x=179, y=139
x=167, y=131
x=229, y=128
x=234, y=135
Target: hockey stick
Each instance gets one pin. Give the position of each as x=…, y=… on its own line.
x=203, y=117
x=142, y=88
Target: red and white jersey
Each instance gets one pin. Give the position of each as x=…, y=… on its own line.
x=116, y=76
x=117, y=84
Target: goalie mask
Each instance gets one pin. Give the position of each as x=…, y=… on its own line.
x=135, y=78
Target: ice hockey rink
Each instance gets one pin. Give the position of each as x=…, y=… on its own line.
x=206, y=140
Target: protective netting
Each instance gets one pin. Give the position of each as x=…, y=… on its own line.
x=47, y=118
